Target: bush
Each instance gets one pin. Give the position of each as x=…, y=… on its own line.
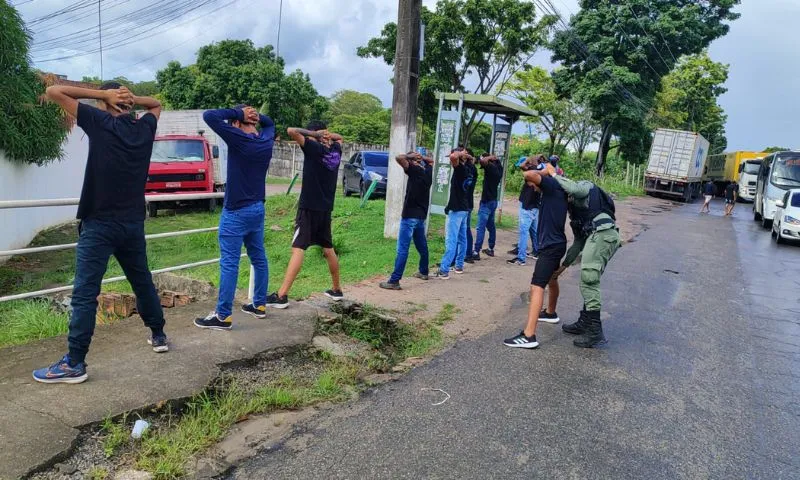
x=29, y=131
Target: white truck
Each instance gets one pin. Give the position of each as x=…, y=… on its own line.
x=676, y=164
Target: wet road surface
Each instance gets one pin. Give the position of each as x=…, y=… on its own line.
x=700, y=379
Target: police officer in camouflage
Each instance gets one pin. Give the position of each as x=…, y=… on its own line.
x=597, y=238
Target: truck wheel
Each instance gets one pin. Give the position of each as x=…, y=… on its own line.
x=765, y=223
x=756, y=216
x=152, y=209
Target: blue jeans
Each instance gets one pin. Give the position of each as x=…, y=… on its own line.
x=486, y=222
x=528, y=225
x=97, y=241
x=455, y=245
x=468, y=237
x=410, y=228
x=245, y=225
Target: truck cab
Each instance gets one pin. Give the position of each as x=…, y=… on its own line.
x=748, y=178
x=778, y=173
x=182, y=164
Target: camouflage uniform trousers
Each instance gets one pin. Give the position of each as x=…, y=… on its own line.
x=595, y=255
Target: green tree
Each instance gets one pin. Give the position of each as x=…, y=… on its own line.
x=371, y=128
x=688, y=99
x=615, y=54
x=350, y=102
x=147, y=88
x=583, y=130
x=234, y=72
x=775, y=149
x=485, y=40
x=534, y=87
x=30, y=132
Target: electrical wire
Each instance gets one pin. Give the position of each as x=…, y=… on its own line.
x=652, y=44
x=140, y=34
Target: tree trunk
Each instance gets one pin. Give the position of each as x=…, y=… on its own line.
x=580, y=154
x=602, y=152
x=552, y=149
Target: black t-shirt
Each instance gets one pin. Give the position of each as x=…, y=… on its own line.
x=552, y=213
x=529, y=197
x=492, y=176
x=459, y=189
x=116, y=170
x=473, y=173
x=418, y=191
x=730, y=190
x=709, y=189
x=320, y=172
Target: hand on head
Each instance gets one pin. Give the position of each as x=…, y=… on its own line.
x=119, y=99
x=251, y=115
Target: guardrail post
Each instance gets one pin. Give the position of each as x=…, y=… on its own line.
x=251, y=290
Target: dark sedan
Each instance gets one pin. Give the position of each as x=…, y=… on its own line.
x=360, y=170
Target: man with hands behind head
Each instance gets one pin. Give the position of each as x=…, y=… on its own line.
x=419, y=170
x=111, y=213
x=457, y=212
x=242, y=220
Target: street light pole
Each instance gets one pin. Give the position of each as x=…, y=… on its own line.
x=403, y=136
x=280, y=18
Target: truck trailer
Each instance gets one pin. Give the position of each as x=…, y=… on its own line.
x=676, y=165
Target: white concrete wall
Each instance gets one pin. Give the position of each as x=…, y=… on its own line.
x=60, y=179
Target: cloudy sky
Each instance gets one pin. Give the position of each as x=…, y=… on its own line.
x=321, y=36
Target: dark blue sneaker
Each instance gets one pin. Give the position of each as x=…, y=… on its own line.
x=62, y=372
x=159, y=343
x=258, y=312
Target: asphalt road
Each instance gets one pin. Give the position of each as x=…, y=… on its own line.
x=700, y=379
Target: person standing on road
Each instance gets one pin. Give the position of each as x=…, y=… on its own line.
x=473, y=172
x=593, y=222
x=708, y=191
x=322, y=156
x=492, y=176
x=529, y=199
x=242, y=219
x=111, y=213
x=730, y=197
x=457, y=211
x=552, y=247
x=419, y=170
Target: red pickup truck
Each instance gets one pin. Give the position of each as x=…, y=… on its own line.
x=183, y=164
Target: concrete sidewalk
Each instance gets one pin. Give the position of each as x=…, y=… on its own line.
x=38, y=423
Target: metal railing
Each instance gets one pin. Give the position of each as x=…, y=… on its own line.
x=58, y=202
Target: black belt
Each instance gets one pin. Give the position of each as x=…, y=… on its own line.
x=599, y=223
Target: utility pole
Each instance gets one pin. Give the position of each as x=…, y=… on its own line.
x=403, y=134
x=280, y=17
x=100, y=33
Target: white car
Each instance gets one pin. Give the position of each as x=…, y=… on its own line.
x=786, y=223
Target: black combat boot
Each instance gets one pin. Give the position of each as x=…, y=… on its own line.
x=577, y=328
x=593, y=337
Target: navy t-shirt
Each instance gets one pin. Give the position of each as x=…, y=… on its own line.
x=552, y=213
x=492, y=176
x=460, y=185
x=320, y=172
x=473, y=173
x=116, y=170
x=418, y=191
x=529, y=197
x=709, y=189
x=249, y=156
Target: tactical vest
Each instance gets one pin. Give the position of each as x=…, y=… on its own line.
x=583, y=218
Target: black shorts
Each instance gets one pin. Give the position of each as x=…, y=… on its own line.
x=312, y=227
x=549, y=261
x=729, y=201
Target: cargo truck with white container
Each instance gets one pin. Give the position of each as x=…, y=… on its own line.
x=676, y=165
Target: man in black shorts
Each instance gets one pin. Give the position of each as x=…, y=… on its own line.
x=323, y=154
x=730, y=197
x=552, y=247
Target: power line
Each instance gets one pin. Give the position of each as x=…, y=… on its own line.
x=622, y=92
x=652, y=44
x=140, y=36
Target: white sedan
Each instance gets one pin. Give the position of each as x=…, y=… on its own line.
x=786, y=224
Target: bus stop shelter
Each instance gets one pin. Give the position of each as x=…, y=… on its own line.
x=448, y=133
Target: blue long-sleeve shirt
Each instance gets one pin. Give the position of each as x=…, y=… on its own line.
x=249, y=155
